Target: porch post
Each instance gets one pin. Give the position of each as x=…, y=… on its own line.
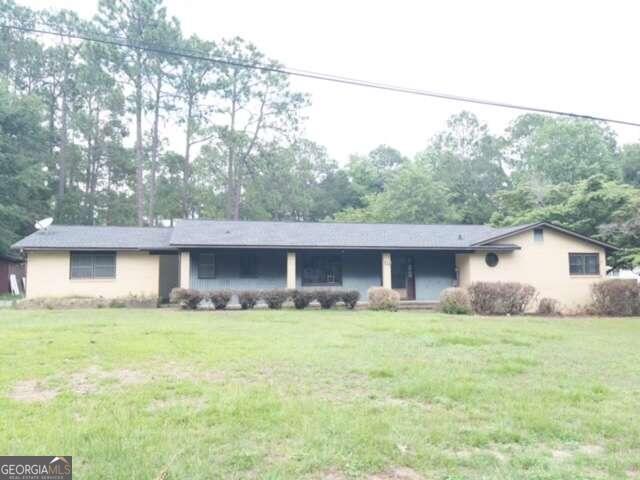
x=185, y=269
x=386, y=269
x=291, y=269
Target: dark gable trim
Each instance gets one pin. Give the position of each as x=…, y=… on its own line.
x=552, y=226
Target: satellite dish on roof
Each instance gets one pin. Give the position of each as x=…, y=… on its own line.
x=44, y=223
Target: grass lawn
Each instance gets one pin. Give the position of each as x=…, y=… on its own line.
x=133, y=394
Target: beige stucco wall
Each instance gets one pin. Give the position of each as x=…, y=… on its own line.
x=545, y=265
x=48, y=276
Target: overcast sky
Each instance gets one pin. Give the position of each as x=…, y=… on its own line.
x=580, y=56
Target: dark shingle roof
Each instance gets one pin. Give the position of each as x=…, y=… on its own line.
x=97, y=238
x=243, y=234
x=200, y=233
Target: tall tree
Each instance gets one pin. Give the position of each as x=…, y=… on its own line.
x=135, y=21
x=469, y=161
x=369, y=173
x=257, y=107
x=194, y=82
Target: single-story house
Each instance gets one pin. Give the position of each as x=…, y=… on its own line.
x=419, y=261
x=10, y=265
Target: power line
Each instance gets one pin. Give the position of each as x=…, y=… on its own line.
x=274, y=68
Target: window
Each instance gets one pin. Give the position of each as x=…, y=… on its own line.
x=321, y=270
x=93, y=265
x=249, y=265
x=584, y=264
x=491, y=259
x=206, y=265
x=538, y=235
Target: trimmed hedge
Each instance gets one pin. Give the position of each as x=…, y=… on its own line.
x=248, y=299
x=302, y=298
x=500, y=298
x=350, y=298
x=276, y=297
x=381, y=298
x=616, y=297
x=220, y=298
x=455, y=301
x=187, y=298
x=327, y=298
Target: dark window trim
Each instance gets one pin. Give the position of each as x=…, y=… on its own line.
x=254, y=273
x=585, y=254
x=538, y=235
x=304, y=283
x=492, y=256
x=201, y=276
x=92, y=255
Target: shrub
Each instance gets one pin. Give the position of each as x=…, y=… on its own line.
x=617, y=297
x=220, y=298
x=455, y=301
x=327, y=298
x=248, y=299
x=350, y=298
x=72, y=302
x=275, y=298
x=500, y=298
x=381, y=298
x=302, y=298
x=187, y=298
x=548, y=307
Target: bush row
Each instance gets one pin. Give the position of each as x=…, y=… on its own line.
x=189, y=299
x=614, y=297
x=488, y=298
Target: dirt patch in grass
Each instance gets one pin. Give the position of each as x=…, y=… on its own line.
x=89, y=381
x=399, y=473
x=32, y=391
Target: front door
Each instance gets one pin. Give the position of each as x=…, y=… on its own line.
x=403, y=276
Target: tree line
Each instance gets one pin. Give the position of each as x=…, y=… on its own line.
x=85, y=128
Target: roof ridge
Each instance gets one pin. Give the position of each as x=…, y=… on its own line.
x=294, y=222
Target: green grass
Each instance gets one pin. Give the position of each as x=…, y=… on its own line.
x=313, y=394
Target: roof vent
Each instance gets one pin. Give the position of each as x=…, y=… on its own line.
x=459, y=236
x=228, y=231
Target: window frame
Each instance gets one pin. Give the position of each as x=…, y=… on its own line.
x=491, y=255
x=92, y=266
x=584, y=256
x=307, y=259
x=214, y=263
x=252, y=260
x=538, y=235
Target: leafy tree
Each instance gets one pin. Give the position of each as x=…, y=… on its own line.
x=630, y=163
x=136, y=21
x=557, y=150
x=369, y=173
x=413, y=195
x=23, y=180
x=468, y=160
x=585, y=207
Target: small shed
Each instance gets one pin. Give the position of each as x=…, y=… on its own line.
x=11, y=264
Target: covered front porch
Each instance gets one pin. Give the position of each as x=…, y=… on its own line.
x=416, y=275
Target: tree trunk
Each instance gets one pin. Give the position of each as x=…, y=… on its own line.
x=231, y=170
x=139, y=151
x=64, y=147
x=155, y=147
x=186, y=174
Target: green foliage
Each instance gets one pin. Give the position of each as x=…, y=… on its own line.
x=302, y=298
x=350, y=298
x=248, y=299
x=468, y=160
x=23, y=181
x=558, y=150
x=412, y=195
x=275, y=298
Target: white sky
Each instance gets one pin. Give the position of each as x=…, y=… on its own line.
x=579, y=56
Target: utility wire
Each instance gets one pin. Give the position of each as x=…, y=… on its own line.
x=275, y=68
